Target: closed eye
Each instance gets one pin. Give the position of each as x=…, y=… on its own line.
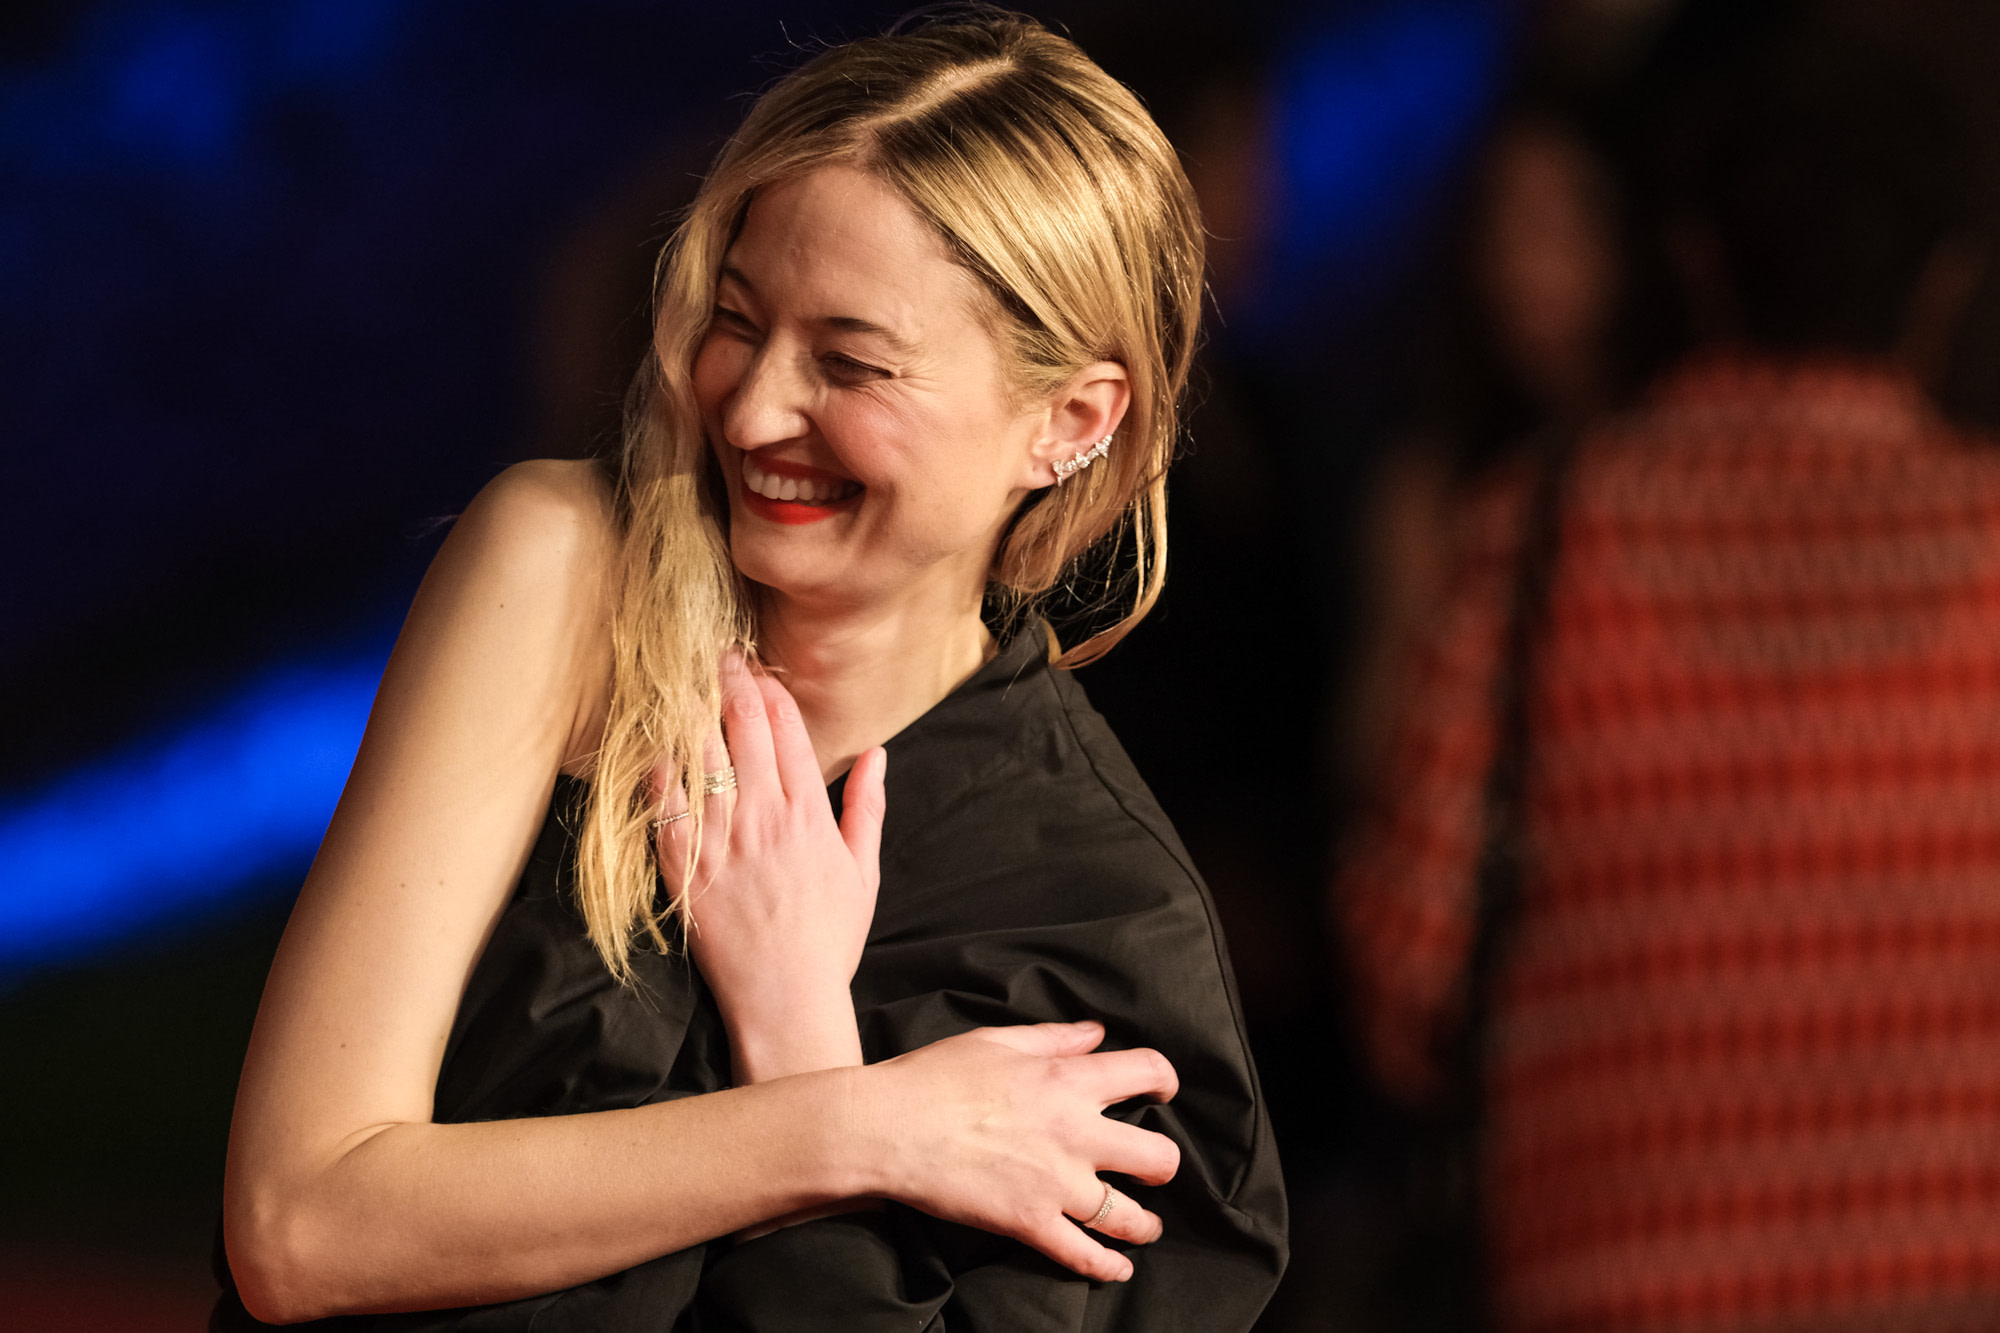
x=722, y=316
x=847, y=368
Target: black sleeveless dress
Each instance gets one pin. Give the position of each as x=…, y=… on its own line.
x=1027, y=876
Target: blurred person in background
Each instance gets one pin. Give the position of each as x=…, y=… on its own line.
x=1547, y=263
x=1534, y=350
x=1680, y=889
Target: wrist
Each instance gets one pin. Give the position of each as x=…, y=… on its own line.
x=863, y=1133
x=777, y=1042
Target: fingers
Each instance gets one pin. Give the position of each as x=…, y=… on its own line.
x=1110, y=1212
x=861, y=812
x=1129, y=1222
x=674, y=838
x=1143, y=1154
x=669, y=834
x=746, y=728
x=1117, y=1075
x=663, y=789
x=797, y=764
x=1048, y=1039
x=1113, y=1076
x=1070, y=1247
x=717, y=808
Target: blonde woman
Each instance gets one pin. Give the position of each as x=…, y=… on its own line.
x=594, y=1012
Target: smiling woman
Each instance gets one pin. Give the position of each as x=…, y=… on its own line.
x=907, y=413
x=629, y=936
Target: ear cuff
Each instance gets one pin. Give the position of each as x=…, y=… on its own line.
x=1069, y=467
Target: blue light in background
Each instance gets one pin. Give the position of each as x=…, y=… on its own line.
x=334, y=40
x=171, y=89
x=180, y=825
x=1372, y=113
x=177, y=95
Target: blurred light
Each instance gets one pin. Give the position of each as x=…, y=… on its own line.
x=336, y=39
x=174, y=88
x=1373, y=112
x=182, y=824
x=178, y=93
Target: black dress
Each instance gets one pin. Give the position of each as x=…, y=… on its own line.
x=1027, y=876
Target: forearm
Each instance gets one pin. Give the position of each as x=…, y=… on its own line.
x=802, y=1037
x=423, y=1216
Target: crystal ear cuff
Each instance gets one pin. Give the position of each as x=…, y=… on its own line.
x=1069, y=467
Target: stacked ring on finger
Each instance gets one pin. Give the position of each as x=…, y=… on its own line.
x=718, y=782
x=1104, y=1209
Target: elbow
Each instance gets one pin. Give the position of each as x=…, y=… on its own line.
x=299, y=1245
x=282, y=1274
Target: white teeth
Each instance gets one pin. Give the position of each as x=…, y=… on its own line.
x=803, y=491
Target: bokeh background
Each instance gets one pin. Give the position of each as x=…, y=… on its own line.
x=284, y=282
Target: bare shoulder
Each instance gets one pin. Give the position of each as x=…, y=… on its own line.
x=547, y=518
x=513, y=625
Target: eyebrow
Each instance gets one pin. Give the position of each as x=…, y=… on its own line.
x=845, y=323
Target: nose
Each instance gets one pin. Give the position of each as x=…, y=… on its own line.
x=768, y=403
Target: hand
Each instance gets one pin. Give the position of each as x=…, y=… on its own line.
x=1004, y=1129
x=782, y=897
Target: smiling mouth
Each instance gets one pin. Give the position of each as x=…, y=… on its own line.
x=792, y=492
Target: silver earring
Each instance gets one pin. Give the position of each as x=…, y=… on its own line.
x=1069, y=467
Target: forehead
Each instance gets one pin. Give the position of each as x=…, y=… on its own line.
x=838, y=245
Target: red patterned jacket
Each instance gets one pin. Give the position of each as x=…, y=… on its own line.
x=1746, y=1038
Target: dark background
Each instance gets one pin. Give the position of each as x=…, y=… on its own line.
x=284, y=282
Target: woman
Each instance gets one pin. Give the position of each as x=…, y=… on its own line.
x=932, y=275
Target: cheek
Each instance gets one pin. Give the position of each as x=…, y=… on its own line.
x=881, y=442
x=954, y=492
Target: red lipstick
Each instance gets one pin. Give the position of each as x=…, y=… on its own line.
x=835, y=493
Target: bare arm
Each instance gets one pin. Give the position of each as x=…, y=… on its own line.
x=341, y=1196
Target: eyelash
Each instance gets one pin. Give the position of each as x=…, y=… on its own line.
x=840, y=365
x=847, y=365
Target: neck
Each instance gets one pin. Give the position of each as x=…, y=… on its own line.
x=862, y=675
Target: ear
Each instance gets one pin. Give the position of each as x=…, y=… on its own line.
x=1079, y=414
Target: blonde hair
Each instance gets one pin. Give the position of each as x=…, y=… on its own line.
x=1046, y=179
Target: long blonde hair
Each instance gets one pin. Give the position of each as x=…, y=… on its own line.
x=1045, y=178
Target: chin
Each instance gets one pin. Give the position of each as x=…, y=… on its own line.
x=795, y=573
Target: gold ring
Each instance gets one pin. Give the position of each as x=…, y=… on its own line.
x=1104, y=1209
x=718, y=782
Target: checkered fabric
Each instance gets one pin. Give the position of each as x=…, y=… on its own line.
x=1745, y=1059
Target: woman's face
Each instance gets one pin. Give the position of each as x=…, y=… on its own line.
x=1549, y=261
x=858, y=403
